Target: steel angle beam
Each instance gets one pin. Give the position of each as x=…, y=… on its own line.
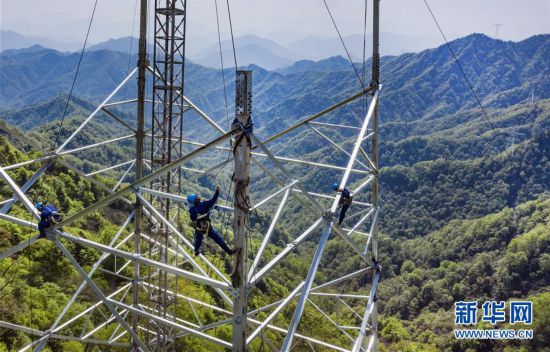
x=145, y=261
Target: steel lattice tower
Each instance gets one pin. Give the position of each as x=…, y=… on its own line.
x=166, y=139
x=157, y=246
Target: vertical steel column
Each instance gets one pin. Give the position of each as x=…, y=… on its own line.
x=140, y=138
x=241, y=151
x=167, y=124
x=375, y=191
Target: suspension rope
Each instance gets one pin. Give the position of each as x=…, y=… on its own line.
x=130, y=55
x=221, y=62
x=232, y=37
x=344, y=45
x=465, y=77
x=74, y=78
x=365, y=107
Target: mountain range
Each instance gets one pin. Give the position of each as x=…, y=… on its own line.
x=251, y=49
x=425, y=85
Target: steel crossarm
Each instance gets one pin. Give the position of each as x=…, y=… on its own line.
x=333, y=125
x=290, y=160
x=306, y=338
x=268, y=234
x=192, y=106
x=145, y=261
x=305, y=120
x=123, y=312
x=121, y=102
x=373, y=226
x=19, y=194
x=143, y=181
x=273, y=314
x=184, y=200
x=340, y=279
x=37, y=332
x=325, y=137
x=119, y=182
x=367, y=182
x=117, y=119
x=171, y=324
x=28, y=184
x=111, y=167
x=319, y=114
x=91, y=116
x=90, y=146
x=320, y=195
x=190, y=299
x=263, y=271
x=23, y=244
x=330, y=319
x=252, y=321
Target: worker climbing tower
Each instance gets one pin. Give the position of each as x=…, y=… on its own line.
x=163, y=297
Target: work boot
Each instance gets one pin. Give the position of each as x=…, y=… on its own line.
x=233, y=251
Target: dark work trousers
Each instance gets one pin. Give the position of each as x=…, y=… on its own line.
x=213, y=235
x=343, y=212
x=42, y=226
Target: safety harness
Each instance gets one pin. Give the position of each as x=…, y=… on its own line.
x=202, y=224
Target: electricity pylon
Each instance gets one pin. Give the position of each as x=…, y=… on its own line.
x=159, y=247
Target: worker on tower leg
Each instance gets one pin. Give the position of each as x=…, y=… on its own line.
x=345, y=201
x=48, y=217
x=199, y=212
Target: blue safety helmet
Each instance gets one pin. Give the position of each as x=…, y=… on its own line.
x=39, y=206
x=191, y=198
x=335, y=186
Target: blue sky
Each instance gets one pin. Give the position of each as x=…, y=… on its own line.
x=282, y=20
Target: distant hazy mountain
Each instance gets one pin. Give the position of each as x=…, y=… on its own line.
x=315, y=48
x=13, y=40
x=250, y=50
x=335, y=63
x=123, y=45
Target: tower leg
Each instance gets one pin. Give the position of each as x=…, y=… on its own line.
x=241, y=151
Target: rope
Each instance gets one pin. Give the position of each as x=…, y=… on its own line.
x=29, y=258
x=130, y=55
x=365, y=108
x=221, y=62
x=74, y=78
x=518, y=169
x=466, y=78
x=344, y=45
x=232, y=37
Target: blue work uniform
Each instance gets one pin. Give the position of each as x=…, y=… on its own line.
x=200, y=215
x=48, y=213
x=345, y=202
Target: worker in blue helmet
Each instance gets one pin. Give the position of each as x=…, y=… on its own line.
x=345, y=201
x=199, y=212
x=48, y=217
